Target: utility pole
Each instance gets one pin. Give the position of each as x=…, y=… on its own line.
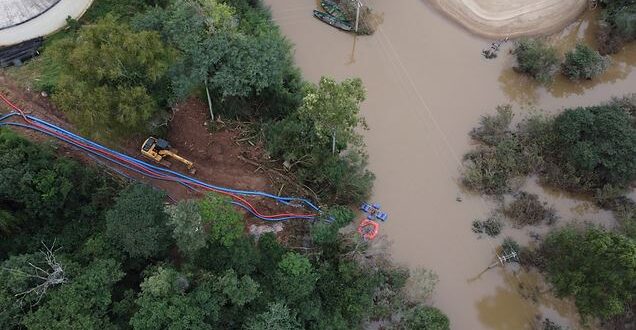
x=358, y=5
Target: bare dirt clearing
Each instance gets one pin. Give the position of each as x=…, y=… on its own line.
x=512, y=18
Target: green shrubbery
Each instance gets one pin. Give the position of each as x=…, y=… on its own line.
x=595, y=146
x=537, y=59
x=587, y=149
x=584, y=63
x=541, y=61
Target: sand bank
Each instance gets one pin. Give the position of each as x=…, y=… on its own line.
x=512, y=18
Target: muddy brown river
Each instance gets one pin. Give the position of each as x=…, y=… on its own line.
x=427, y=86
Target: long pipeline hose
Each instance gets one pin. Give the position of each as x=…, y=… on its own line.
x=155, y=172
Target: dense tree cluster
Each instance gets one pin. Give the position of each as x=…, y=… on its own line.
x=618, y=24
x=125, y=259
x=588, y=150
x=595, y=266
x=582, y=149
x=116, y=76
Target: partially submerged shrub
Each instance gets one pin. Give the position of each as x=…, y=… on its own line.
x=420, y=285
x=618, y=24
x=536, y=59
x=584, y=62
x=526, y=209
x=489, y=170
x=491, y=226
x=494, y=128
x=367, y=22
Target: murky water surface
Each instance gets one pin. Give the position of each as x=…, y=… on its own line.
x=427, y=87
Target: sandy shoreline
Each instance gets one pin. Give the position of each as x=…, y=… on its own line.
x=512, y=18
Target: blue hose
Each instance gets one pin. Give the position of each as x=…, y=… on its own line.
x=284, y=200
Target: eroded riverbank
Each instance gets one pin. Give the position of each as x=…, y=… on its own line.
x=427, y=87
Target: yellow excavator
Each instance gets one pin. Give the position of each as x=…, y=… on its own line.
x=157, y=149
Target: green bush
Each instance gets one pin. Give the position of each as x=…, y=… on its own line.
x=425, y=318
x=536, y=59
x=137, y=224
x=584, y=63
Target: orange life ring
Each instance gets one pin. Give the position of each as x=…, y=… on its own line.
x=368, y=229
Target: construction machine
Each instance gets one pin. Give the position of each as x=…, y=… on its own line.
x=157, y=149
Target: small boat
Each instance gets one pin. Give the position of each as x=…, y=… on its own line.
x=333, y=21
x=333, y=9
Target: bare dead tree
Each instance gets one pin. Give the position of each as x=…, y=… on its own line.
x=52, y=276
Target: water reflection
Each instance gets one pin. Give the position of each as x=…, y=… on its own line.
x=524, y=302
x=519, y=88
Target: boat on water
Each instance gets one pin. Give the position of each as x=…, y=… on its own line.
x=333, y=21
x=332, y=8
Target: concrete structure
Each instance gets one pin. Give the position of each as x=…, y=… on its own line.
x=22, y=20
x=15, y=12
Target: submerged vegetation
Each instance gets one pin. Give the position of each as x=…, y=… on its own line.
x=589, y=150
x=618, y=24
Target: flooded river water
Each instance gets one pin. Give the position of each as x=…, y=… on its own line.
x=427, y=86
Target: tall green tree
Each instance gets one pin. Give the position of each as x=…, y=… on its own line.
x=112, y=80
x=188, y=227
x=164, y=303
x=137, y=224
x=277, y=317
x=333, y=109
x=215, y=50
x=597, y=267
x=226, y=225
x=596, y=145
x=296, y=277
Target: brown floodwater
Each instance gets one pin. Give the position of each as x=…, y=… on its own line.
x=427, y=86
